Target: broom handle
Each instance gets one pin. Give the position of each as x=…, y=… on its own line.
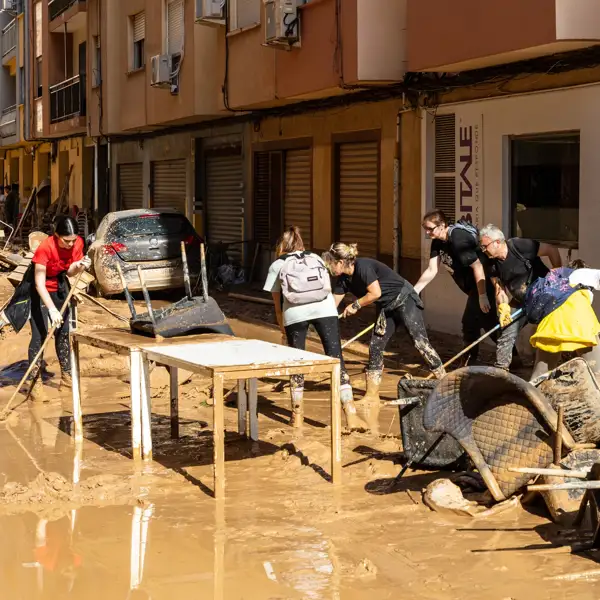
x=203, y=273
x=46, y=342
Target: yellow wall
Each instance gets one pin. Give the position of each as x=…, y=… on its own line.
x=321, y=127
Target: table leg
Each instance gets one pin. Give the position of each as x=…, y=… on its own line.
x=136, y=402
x=146, y=401
x=76, y=376
x=242, y=406
x=219, y=436
x=174, y=385
x=253, y=408
x=336, y=426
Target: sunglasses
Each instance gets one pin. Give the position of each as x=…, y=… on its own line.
x=484, y=247
x=429, y=229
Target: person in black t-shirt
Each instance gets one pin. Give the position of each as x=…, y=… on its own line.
x=457, y=248
x=514, y=265
x=396, y=302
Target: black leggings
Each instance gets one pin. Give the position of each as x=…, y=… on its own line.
x=410, y=317
x=328, y=329
x=39, y=331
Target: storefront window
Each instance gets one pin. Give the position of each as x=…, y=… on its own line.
x=545, y=188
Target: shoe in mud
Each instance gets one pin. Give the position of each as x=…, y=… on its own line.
x=373, y=383
x=66, y=382
x=37, y=393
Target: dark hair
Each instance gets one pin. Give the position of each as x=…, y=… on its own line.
x=436, y=216
x=64, y=226
x=7, y=187
x=577, y=264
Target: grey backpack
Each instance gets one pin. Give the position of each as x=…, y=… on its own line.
x=465, y=226
x=304, y=278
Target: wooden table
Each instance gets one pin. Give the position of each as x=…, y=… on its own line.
x=123, y=342
x=240, y=360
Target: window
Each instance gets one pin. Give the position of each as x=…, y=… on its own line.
x=545, y=187
x=21, y=99
x=38, y=78
x=96, y=63
x=138, y=33
x=243, y=13
x=175, y=26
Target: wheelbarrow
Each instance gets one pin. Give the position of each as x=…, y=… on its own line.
x=190, y=315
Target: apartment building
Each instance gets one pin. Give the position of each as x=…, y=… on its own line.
x=524, y=157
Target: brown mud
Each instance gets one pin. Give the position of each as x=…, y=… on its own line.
x=88, y=522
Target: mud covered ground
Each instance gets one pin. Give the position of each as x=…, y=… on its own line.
x=88, y=522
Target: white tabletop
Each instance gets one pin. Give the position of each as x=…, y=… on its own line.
x=238, y=353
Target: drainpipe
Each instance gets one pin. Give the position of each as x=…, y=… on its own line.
x=397, y=232
x=109, y=174
x=96, y=190
x=27, y=63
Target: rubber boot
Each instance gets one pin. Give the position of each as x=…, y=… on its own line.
x=37, y=393
x=373, y=383
x=297, y=418
x=439, y=373
x=66, y=382
x=353, y=421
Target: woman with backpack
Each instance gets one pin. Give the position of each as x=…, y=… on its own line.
x=301, y=289
x=397, y=304
x=560, y=304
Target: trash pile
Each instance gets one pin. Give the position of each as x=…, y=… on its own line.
x=509, y=437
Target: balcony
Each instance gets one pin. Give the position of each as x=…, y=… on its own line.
x=67, y=101
x=71, y=13
x=8, y=125
x=470, y=34
x=9, y=43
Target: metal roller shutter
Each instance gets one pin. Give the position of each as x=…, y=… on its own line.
x=169, y=184
x=358, y=185
x=445, y=165
x=262, y=232
x=224, y=199
x=297, y=203
x=175, y=26
x=139, y=27
x=131, y=185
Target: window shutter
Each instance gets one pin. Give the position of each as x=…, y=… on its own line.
x=175, y=26
x=139, y=27
x=445, y=165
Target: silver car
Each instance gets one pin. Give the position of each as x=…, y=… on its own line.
x=148, y=238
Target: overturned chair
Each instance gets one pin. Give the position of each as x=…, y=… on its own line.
x=500, y=420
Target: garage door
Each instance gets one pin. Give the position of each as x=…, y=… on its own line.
x=224, y=200
x=169, y=184
x=131, y=185
x=297, y=203
x=358, y=201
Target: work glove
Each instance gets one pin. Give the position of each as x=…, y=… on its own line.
x=85, y=262
x=484, y=303
x=55, y=317
x=504, y=315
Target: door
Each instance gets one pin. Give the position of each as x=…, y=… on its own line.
x=130, y=181
x=169, y=184
x=224, y=197
x=358, y=196
x=297, y=201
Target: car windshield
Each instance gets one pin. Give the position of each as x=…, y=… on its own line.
x=158, y=225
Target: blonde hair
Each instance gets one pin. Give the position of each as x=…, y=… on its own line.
x=290, y=241
x=339, y=251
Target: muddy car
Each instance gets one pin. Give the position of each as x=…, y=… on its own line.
x=148, y=238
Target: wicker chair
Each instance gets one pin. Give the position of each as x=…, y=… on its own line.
x=500, y=420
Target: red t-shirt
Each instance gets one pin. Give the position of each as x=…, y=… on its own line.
x=56, y=260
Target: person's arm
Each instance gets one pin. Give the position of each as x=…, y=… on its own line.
x=428, y=274
x=278, y=311
x=373, y=294
x=39, y=276
x=479, y=275
x=552, y=253
x=501, y=295
x=338, y=299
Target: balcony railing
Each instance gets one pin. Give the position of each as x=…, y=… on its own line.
x=67, y=99
x=8, y=122
x=9, y=38
x=57, y=7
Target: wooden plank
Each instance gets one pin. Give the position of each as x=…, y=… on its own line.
x=336, y=426
x=242, y=406
x=76, y=376
x=146, y=408
x=174, y=389
x=253, y=408
x=136, y=403
x=218, y=437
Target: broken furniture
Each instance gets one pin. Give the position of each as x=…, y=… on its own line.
x=412, y=396
x=500, y=420
x=574, y=386
x=238, y=360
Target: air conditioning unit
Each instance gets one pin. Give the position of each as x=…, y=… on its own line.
x=9, y=5
x=210, y=12
x=282, y=20
x=162, y=68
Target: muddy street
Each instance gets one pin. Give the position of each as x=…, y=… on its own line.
x=87, y=521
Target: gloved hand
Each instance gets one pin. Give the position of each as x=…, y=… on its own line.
x=504, y=315
x=55, y=317
x=484, y=303
x=85, y=263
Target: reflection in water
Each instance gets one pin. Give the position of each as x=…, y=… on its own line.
x=139, y=540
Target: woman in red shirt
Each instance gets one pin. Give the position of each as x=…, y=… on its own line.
x=57, y=257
